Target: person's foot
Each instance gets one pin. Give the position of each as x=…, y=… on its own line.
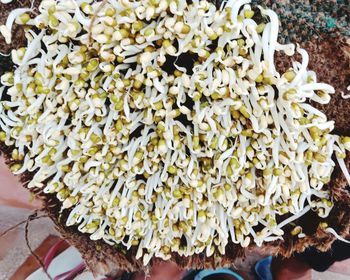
x=342, y=267
x=12, y=192
x=161, y=271
x=290, y=269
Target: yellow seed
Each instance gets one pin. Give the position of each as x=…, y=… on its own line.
x=119, y=105
x=134, y=242
x=296, y=193
x=186, y=29
x=51, y=10
x=247, y=133
x=126, y=82
x=14, y=154
x=138, y=215
x=240, y=42
x=43, y=90
x=340, y=155
x=289, y=75
x=296, y=231
x=177, y=193
x=149, y=32
x=234, y=162
x=345, y=139
x=248, y=13
x=93, y=151
x=24, y=18
x=256, y=161
x=109, y=157
x=183, y=226
x=123, y=164
x=319, y=157
x=323, y=141
x=260, y=28
x=65, y=168
x=235, y=114
x=266, y=172
x=244, y=112
x=119, y=125
x=38, y=78
x=114, y=98
x=309, y=155
x=172, y=169
x=2, y=136
x=21, y=156
x=166, y=44
x=138, y=25
x=46, y=159
x=125, y=219
x=227, y=187
x=124, y=33
x=166, y=249
x=75, y=152
x=158, y=105
x=177, y=73
x=111, y=231
x=215, y=95
x=84, y=74
x=15, y=167
x=91, y=226
x=19, y=87
x=201, y=213
x=154, y=141
x=259, y=79
x=115, y=202
x=195, y=141
x=288, y=95
x=95, y=138
x=17, y=129
x=92, y=65
x=219, y=193
x=137, y=84
x=213, y=36
x=267, y=80
x=249, y=176
x=277, y=171
x=110, y=12
x=314, y=132
x=197, y=96
x=323, y=225
x=53, y=21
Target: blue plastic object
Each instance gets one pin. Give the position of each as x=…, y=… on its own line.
x=208, y=272
x=263, y=269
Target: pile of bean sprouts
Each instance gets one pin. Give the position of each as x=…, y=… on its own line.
x=145, y=151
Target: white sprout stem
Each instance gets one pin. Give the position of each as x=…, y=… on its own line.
x=345, y=96
x=272, y=38
x=302, y=69
x=332, y=231
x=294, y=217
x=344, y=169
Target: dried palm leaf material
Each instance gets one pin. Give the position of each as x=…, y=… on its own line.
x=163, y=127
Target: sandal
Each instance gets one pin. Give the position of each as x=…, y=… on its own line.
x=223, y=273
x=263, y=268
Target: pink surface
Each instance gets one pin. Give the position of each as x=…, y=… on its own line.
x=11, y=191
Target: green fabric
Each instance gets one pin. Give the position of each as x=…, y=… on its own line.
x=303, y=19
